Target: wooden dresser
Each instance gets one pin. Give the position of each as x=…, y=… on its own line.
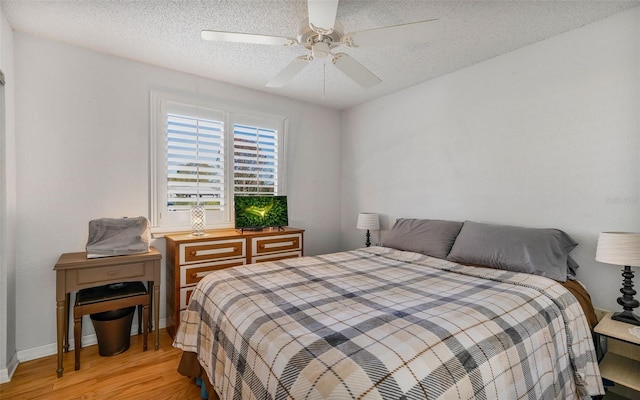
x=190, y=258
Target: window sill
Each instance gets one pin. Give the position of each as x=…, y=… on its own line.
x=160, y=231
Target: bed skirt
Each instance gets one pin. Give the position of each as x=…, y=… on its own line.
x=190, y=367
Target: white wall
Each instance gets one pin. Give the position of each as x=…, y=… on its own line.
x=82, y=153
x=545, y=136
x=8, y=359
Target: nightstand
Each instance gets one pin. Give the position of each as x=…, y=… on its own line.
x=621, y=363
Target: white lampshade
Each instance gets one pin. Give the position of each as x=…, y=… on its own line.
x=619, y=248
x=369, y=221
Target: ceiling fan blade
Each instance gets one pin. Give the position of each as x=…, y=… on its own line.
x=416, y=32
x=356, y=71
x=322, y=13
x=289, y=71
x=246, y=38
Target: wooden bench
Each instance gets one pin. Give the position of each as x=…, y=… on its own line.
x=107, y=298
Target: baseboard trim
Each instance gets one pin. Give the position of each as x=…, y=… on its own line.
x=50, y=349
x=7, y=373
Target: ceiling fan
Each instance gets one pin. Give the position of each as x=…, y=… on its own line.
x=321, y=34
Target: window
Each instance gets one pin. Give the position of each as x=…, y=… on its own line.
x=203, y=153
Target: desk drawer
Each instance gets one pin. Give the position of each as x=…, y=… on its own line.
x=107, y=274
x=192, y=274
x=214, y=250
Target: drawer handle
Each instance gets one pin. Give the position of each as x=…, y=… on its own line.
x=194, y=275
x=193, y=253
x=293, y=242
x=113, y=273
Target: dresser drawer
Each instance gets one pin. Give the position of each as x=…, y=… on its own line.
x=193, y=273
x=185, y=296
x=214, y=250
x=277, y=256
x=275, y=244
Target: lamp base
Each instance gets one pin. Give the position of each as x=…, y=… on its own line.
x=627, y=301
x=626, y=316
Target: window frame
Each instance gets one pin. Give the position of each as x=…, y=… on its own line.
x=159, y=104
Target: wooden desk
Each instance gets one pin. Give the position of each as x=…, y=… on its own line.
x=74, y=271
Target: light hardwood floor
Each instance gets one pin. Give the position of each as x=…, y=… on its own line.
x=133, y=374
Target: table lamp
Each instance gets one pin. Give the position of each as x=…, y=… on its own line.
x=622, y=248
x=198, y=219
x=368, y=221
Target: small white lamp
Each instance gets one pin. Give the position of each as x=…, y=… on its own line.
x=368, y=221
x=198, y=221
x=622, y=248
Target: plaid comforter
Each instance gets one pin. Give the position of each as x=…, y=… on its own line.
x=380, y=323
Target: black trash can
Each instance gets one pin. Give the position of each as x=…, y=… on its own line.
x=113, y=329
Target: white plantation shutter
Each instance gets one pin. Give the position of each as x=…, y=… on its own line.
x=195, y=162
x=204, y=154
x=255, y=160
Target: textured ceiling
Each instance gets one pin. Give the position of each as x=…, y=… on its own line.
x=167, y=33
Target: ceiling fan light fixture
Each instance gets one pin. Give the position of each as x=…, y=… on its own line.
x=320, y=50
x=321, y=34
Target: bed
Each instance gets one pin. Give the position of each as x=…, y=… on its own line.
x=390, y=322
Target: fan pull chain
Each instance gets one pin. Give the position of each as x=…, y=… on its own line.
x=324, y=78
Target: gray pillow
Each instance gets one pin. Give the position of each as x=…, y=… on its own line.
x=536, y=251
x=426, y=236
x=572, y=268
